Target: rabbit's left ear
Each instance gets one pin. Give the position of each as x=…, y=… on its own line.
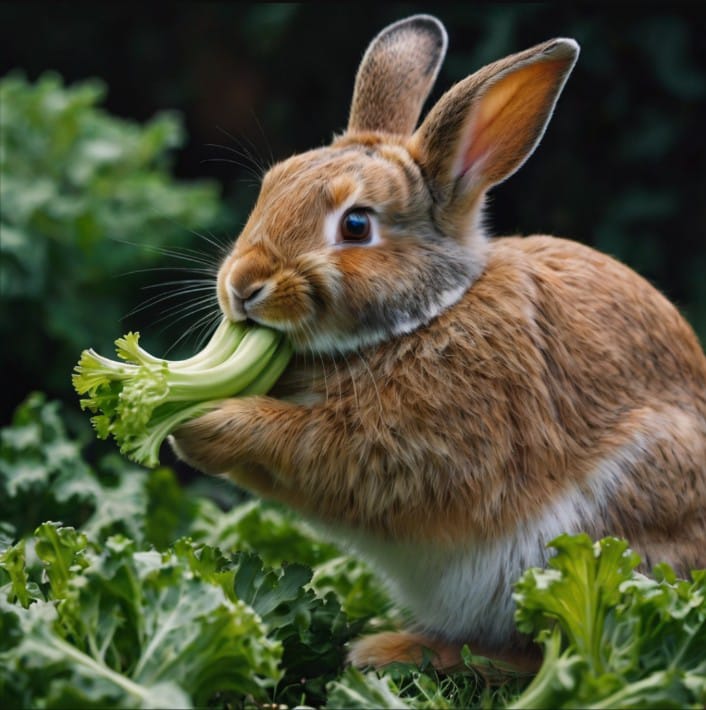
x=396, y=75
x=486, y=126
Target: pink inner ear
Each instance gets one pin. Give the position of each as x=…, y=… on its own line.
x=506, y=122
x=479, y=134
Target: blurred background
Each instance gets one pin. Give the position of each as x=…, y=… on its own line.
x=132, y=137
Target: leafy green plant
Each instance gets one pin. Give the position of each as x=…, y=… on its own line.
x=406, y=686
x=134, y=595
x=111, y=604
x=613, y=637
x=120, y=587
x=43, y=476
x=125, y=627
x=76, y=182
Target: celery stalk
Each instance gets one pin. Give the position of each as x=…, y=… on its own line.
x=140, y=400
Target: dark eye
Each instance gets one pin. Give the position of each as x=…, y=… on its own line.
x=355, y=226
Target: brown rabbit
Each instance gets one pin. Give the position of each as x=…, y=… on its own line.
x=456, y=401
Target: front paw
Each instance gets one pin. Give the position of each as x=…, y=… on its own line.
x=188, y=447
x=207, y=443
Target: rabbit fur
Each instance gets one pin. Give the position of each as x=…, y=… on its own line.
x=455, y=401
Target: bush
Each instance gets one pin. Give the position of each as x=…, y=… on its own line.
x=77, y=186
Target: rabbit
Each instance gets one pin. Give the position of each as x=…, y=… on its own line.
x=455, y=401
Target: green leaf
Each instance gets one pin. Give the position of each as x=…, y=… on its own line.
x=12, y=561
x=355, y=689
x=613, y=637
x=360, y=592
x=41, y=664
x=132, y=628
x=43, y=476
x=42, y=473
x=276, y=534
x=313, y=630
x=61, y=549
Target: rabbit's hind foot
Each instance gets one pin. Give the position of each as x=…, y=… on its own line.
x=390, y=647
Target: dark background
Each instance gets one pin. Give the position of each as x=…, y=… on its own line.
x=622, y=166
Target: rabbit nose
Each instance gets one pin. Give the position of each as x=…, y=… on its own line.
x=246, y=293
x=250, y=291
x=242, y=279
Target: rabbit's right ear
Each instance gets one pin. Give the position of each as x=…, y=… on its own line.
x=396, y=75
x=487, y=125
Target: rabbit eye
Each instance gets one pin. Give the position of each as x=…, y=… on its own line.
x=355, y=226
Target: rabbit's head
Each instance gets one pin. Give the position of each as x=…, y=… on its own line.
x=371, y=237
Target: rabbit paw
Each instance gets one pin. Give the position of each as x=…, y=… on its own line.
x=382, y=649
x=214, y=442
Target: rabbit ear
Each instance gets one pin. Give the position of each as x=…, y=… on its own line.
x=396, y=75
x=486, y=126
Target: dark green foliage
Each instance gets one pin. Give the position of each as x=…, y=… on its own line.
x=111, y=603
x=131, y=594
x=77, y=184
x=43, y=476
x=312, y=630
x=130, y=628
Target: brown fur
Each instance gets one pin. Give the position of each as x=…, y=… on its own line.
x=551, y=372
x=546, y=390
x=391, y=647
x=396, y=75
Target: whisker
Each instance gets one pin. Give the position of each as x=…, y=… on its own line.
x=162, y=215
x=251, y=147
x=160, y=298
x=246, y=153
x=183, y=253
x=198, y=293
x=178, y=299
x=181, y=282
x=190, y=269
x=205, y=323
x=223, y=247
x=248, y=161
x=178, y=287
x=188, y=314
x=253, y=166
x=264, y=136
x=255, y=178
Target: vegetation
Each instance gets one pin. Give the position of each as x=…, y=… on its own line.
x=612, y=638
x=120, y=587
x=76, y=184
